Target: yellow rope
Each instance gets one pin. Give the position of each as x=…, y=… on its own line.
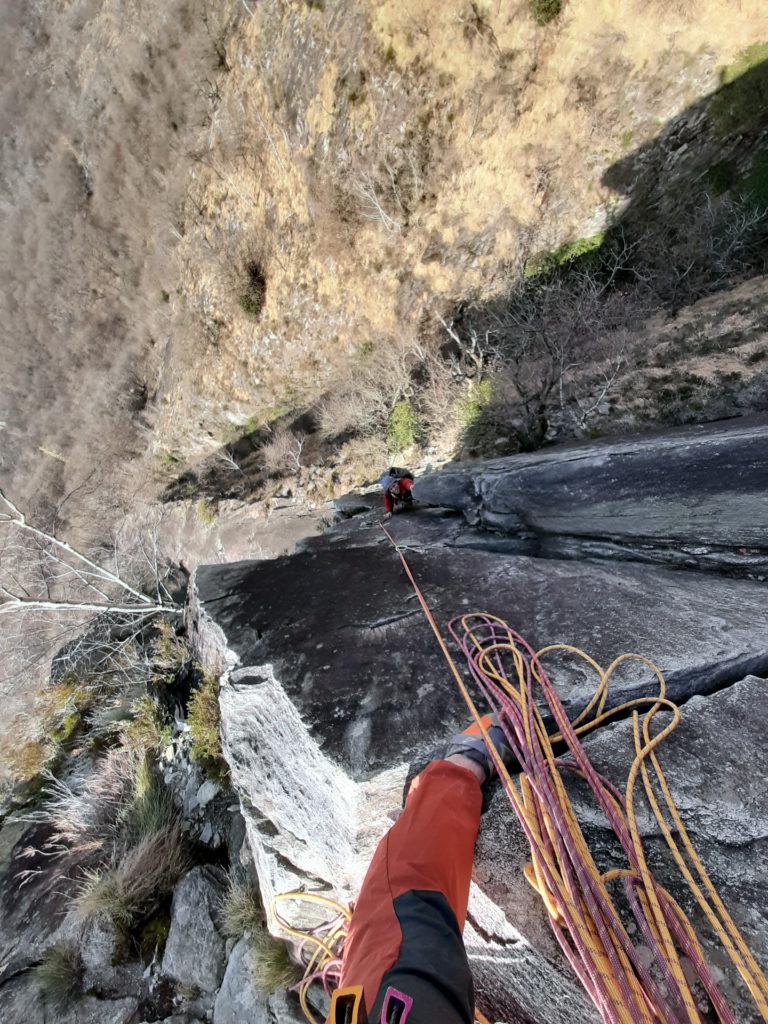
x=327, y=949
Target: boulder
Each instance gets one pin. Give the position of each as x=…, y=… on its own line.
x=694, y=498
x=195, y=951
x=21, y=1003
x=102, y=952
x=239, y=1000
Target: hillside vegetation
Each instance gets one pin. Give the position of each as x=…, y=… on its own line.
x=333, y=233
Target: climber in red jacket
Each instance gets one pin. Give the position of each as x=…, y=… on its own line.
x=397, y=485
x=404, y=958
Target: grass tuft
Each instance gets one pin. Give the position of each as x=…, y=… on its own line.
x=204, y=718
x=134, y=881
x=241, y=910
x=27, y=759
x=146, y=730
x=59, y=974
x=271, y=964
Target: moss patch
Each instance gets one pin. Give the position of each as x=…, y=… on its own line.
x=544, y=11
x=743, y=95
x=204, y=718
x=547, y=262
x=153, y=936
x=403, y=427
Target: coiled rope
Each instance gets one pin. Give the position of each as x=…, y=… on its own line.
x=581, y=911
x=318, y=949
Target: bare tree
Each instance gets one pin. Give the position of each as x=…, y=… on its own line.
x=226, y=456
x=58, y=597
x=538, y=339
x=283, y=453
x=372, y=203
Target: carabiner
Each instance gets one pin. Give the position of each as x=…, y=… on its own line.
x=396, y=1008
x=347, y=1006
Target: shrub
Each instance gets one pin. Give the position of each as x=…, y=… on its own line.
x=544, y=11
x=470, y=407
x=282, y=454
x=721, y=177
x=241, y=910
x=756, y=184
x=204, y=718
x=252, y=299
x=59, y=974
x=206, y=512
x=271, y=964
x=402, y=427
x=364, y=457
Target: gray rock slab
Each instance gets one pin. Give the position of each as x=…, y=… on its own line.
x=31, y=916
x=346, y=641
x=695, y=497
x=104, y=972
x=239, y=1000
x=194, y=953
x=90, y=1010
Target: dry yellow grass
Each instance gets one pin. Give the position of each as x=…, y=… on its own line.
x=520, y=123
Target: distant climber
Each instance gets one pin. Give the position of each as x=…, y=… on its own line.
x=397, y=485
x=404, y=958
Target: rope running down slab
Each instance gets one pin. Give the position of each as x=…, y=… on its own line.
x=581, y=910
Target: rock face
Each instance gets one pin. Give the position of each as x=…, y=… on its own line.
x=693, y=498
x=239, y=1000
x=334, y=681
x=195, y=950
